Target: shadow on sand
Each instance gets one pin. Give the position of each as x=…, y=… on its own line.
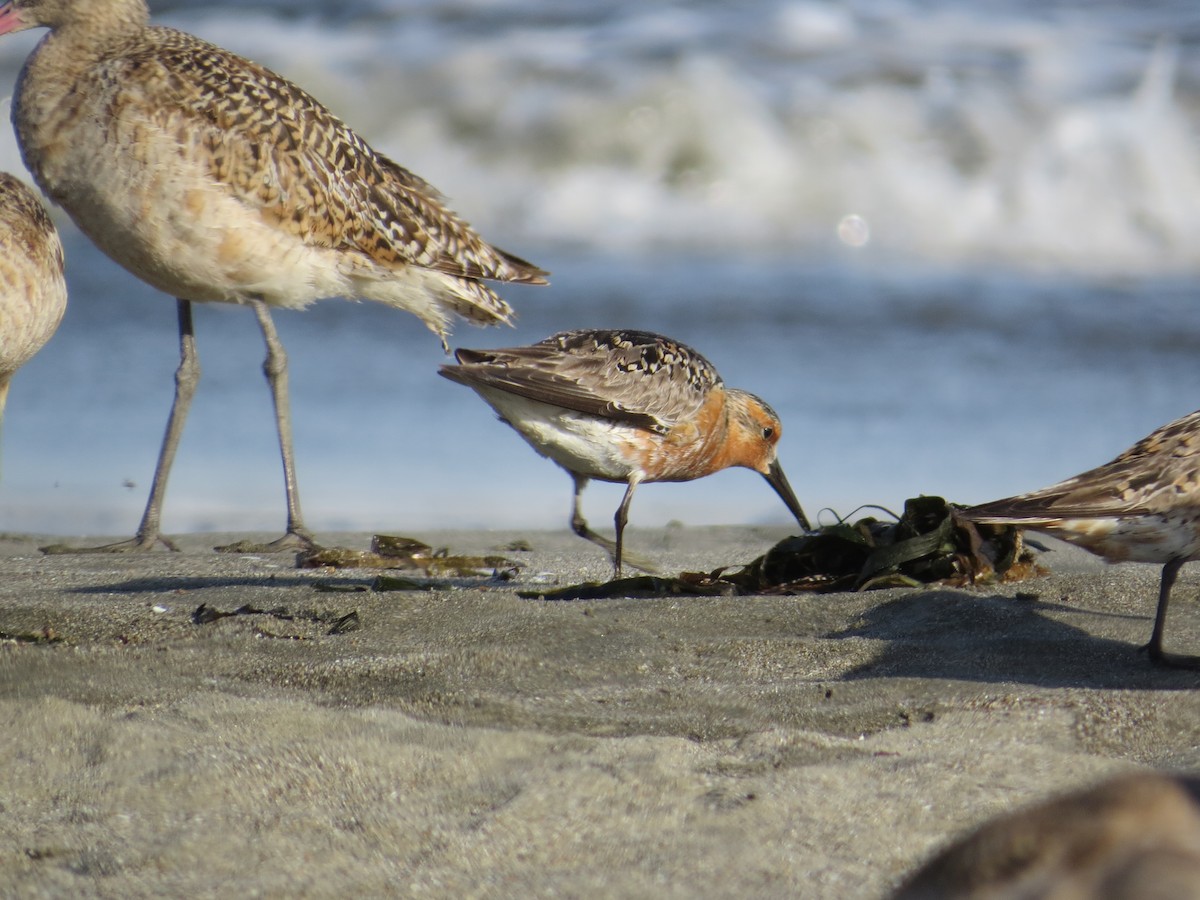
x=954, y=635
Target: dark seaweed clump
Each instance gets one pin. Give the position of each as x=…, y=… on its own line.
x=928, y=544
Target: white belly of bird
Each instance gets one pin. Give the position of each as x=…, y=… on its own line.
x=578, y=442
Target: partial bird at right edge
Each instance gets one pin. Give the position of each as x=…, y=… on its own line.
x=626, y=406
x=1144, y=506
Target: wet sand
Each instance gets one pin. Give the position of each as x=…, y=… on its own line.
x=463, y=741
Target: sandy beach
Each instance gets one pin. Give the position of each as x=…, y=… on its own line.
x=460, y=740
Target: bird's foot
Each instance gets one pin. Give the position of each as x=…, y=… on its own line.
x=1160, y=657
x=140, y=543
x=296, y=539
x=634, y=561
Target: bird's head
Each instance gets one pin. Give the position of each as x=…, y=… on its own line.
x=754, y=432
x=18, y=15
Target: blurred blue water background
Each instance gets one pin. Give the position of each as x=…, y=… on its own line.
x=953, y=244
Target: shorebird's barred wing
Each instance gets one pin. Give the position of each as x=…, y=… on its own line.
x=278, y=149
x=634, y=377
x=1156, y=474
x=29, y=234
x=33, y=294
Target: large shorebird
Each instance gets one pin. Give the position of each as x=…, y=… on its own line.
x=214, y=179
x=626, y=406
x=1144, y=506
x=33, y=294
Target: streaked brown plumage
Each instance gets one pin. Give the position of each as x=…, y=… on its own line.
x=33, y=294
x=626, y=406
x=1132, y=837
x=1144, y=506
x=214, y=179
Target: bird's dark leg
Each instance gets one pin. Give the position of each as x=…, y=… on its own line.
x=580, y=526
x=620, y=520
x=186, y=378
x=1155, y=648
x=578, y=523
x=275, y=369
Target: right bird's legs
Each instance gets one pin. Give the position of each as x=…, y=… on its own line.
x=1155, y=647
x=186, y=378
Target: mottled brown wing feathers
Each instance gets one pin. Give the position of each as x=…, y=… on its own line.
x=632, y=377
x=278, y=148
x=1148, y=477
x=544, y=387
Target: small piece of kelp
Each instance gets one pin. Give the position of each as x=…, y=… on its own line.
x=345, y=624
x=346, y=558
x=336, y=624
x=400, y=546
x=689, y=583
x=405, y=554
x=383, y=583
x=46, y=636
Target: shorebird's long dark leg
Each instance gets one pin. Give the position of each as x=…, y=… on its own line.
x=580, y=526
x=621, y=519
x=1155, y=648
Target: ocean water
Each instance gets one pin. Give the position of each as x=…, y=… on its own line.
x=953, y=244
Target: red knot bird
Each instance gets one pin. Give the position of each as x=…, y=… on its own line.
x=626, y=406
x=1144, y=506
x=214, y=179
x=33, y=294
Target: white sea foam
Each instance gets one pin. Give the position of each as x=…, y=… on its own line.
x=1001, y=134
